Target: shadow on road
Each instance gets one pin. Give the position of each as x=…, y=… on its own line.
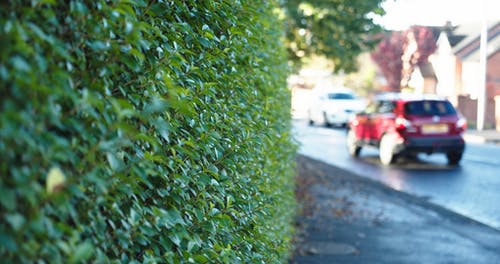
x=411, y=164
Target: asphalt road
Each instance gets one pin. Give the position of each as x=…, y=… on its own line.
x=349, y=219
x=470, y=189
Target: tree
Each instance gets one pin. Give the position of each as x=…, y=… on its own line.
x=364, y=79
x=399, y=52
x=419, y=45
x=340, y=30
x=388, y=55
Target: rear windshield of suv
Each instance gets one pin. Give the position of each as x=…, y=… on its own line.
x=428, y=107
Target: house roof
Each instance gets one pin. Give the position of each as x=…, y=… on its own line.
x=455, y=34
x=452, y=32
x=436, y=31
x=468, y=48
x=455, y=39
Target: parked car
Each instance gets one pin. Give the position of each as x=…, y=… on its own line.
x=404, y=124
x=334, y=106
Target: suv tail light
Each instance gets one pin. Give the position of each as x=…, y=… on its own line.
x=403, y=124
x=461, y=125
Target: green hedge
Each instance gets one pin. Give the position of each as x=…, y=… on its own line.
x=165, y=126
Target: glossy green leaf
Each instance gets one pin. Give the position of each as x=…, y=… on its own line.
x=82, y=252
x=170, y=120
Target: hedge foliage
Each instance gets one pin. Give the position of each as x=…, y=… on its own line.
x=144, y=131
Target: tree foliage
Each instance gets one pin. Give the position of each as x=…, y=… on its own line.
x=144, y=132
x=388, y=55
x=426, y=45
x=337, y=29
x=399, y=52
x=419, y=45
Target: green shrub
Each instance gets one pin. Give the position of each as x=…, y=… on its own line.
x=144, y=131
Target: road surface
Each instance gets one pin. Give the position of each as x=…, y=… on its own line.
x=471, y=189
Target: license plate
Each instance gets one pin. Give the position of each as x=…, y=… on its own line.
x=434, y=129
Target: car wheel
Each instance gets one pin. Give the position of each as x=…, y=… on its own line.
x=454, y=158
x=353, y=148
x=325, y=120
x=310, y=120
x=386, y=150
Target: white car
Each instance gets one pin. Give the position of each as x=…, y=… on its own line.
x=334, y=106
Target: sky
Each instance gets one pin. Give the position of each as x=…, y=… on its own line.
x=401, y=14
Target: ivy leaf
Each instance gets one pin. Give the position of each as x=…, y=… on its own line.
x=16, y=221
x=20, y=64
x=7, y=242
x=8, y=198
x=114, y=162
x=82, y=252
x=55, y=180
x=175, y=239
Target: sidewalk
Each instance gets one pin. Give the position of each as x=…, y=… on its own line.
x=349, y=219
x=485, y=136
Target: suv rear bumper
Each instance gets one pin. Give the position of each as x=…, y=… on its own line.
x=432, y=145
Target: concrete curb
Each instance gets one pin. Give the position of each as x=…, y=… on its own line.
x=470, y=138
x=485, y=136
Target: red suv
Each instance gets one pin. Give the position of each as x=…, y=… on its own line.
x=404, y=124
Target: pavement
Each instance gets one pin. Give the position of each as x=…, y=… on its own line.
x=345, y=218
x=484, y=136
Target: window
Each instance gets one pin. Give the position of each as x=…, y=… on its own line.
x=385, y=107
x=426, y=108
x=340, y=96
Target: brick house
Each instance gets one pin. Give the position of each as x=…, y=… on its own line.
x=467, y=68
x=453, y=70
